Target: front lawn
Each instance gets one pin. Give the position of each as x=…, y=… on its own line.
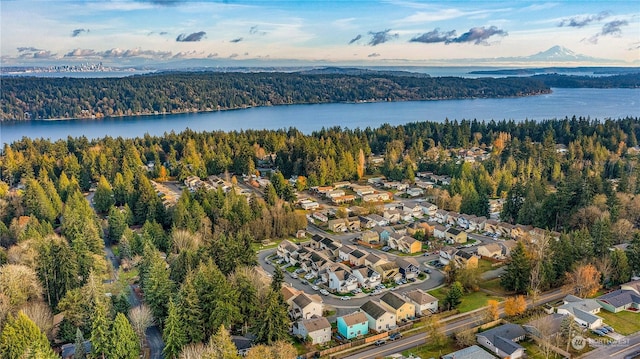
x=533, y=351
x=493, y=285
x=485, y=266
x=470, y=301
x=432, y=351
x=624, y=322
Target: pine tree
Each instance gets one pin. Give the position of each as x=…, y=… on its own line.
x=191, y=311
x=103, y=198
x=117, y=224
x=79, y=345
x=454, y=296
x=272, y=324
x=518, y=272
x=100, y=334
x=21, y=338
x=173, y=334
x=124, y=341
x=221, y=347
x=157, y=287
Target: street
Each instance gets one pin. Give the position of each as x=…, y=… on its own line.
x=626, y=348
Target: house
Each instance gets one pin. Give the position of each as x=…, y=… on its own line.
x=343, y=199
x=320, y=217
x=369, y=237
x=286, y=249
x=353, y=224
x=418, y=227
x=388, y=271
x=378, y=317
x=242, y=344
x=447, y=254
x=383, y=233
x=344, y=251
x=309, y=205
x=339, y=279
x=378, y=220
x=68, y=351
x=414, y=192
x=366, y=222
x=583, y=311
x=454, y=235
x=441, y=216
x=397, y=305
x=301, y=233
x=466, y=260
x=405, y=244
x=545, y=327
x=362, y=191
x=356, y=258
x=318, y=329
x=439, y=231
x=392, y=215
x=472, y=352
x=305, y=306
x=367, y=277
x=508, y=246
x=342, y=184
x=424, y=302
x=477, y=223
x=490, y=250
x=452, y=218
x=338, y=225
x=409, y=267
x=413, y=209
x=373, y=260
x=353, y=325
x=505, y=229
x=503, y=340
x=520, y=230
x=628, y=296
x=429, y=209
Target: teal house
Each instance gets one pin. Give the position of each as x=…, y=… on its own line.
x=353, y=325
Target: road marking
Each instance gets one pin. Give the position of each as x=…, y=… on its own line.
x=624, y=350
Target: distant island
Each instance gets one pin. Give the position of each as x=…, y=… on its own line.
x=559, y=70
x=34, y=98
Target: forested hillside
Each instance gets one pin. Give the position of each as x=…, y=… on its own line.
x=44, y=98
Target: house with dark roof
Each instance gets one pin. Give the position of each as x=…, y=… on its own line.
x=243, y=344
x=305, y=306
x=472, y=352
x=454, y=235
x=466, y=260
x=379, y=318
x=503, y=340
x=356, y=258
x=545, y=327
x=69, y=350
x=394, y=303
x=409, y=267
x=318, y=329
x=626, y=297
x=447, y=254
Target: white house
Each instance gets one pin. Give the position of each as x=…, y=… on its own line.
x=425, y=303
x=367, y=277
x=318, y=329
x=306, y=306
x=340, y=279
x=583, y=311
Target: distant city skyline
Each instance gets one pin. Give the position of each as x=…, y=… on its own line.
x=368, y=33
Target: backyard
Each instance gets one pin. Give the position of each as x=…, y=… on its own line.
x=470, y=301
x=624, y=322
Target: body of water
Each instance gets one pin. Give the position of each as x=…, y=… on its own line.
x=595, y=103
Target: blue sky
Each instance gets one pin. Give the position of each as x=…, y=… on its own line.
x=359, y=32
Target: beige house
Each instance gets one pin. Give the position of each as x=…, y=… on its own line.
x=424, y=302
x=454, y=235
x=490, y=250
x=396, y=304
x=306, y=306
x=380, y=319
x=318, y=329
x=388, y=271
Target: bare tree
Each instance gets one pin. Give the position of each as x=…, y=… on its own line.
x=465, y=337
x=19, y=283
x=141, y=319
x=538, y=249
x=193, y=351
x=183, y=239
x=40, y=314
x=545, y=334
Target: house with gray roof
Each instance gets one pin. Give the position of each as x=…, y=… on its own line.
x=583, y=311
x=318, y=329
x=305, y=306
x=399, y=306
x=628, y=296
x=472, y=352
x=380, y=319
x=503, y=340
x=425, y=303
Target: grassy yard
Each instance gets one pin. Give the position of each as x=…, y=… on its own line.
x=432, y=351
x=470, y=301
x=493, y=285
x=534, y=352
x=624, y=323
x=485, y=265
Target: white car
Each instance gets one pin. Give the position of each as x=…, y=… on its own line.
x=345, y=298
x=324, y=292
x=315, y=287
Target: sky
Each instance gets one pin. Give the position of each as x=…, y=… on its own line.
x=355, y=32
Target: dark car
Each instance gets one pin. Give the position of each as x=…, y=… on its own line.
x=380, y=342
x=395, y=336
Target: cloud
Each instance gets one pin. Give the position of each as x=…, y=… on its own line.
x=196, y=36
x=478, y=35
x=81, y=53
x=583, y=20
x=163, y=2
x=212, y=55
x=77, y=32
x=380, y=37
x=28, y=49
x=236, y=40
x=435, y=36
x=43, y=54
x=612, y=28
x=232, y=56
x=355, y=39
x=253, y=29
x=137, y=52
x=375, y=54
x=162, y=33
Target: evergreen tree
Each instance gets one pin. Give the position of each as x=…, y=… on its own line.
x=157, y=287
x=57, y=277
x=191, y=311
x=79, y=345
x=272, y=324
x=633, y=254
x=173, y=334
x=221, y=347
x=37, y=203
x=104, y=197
x=620, y=268
x=117, y=224
x=277, y=279
x=518, y=272
x=80, y=224
x=124, y=341
x=21, y=338
x=454, y=296
x=100, y=334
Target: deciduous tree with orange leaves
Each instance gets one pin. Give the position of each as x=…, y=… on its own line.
x=515, y=305
x=585, y=279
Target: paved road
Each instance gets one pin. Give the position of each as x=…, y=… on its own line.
x=626, y=348
x=154, y=337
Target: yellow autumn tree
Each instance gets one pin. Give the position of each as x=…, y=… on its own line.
x=586, y=280
x=515, y=305
x=493, y=309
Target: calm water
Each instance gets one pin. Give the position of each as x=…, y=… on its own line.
x=595, y=103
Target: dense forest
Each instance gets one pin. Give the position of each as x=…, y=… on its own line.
x=45, y=98
x=194, y=261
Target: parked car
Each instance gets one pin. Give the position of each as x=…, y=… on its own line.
x=345, y=298
x=324, y=292
x=428, y=271
x=315, y=287
x=597, y=332
x=603, y=329
x=304, y=281
x=395, y=336
x=380, y=342
x=386, y=248
x=609, y=328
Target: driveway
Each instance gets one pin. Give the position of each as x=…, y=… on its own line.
x=154, y=337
